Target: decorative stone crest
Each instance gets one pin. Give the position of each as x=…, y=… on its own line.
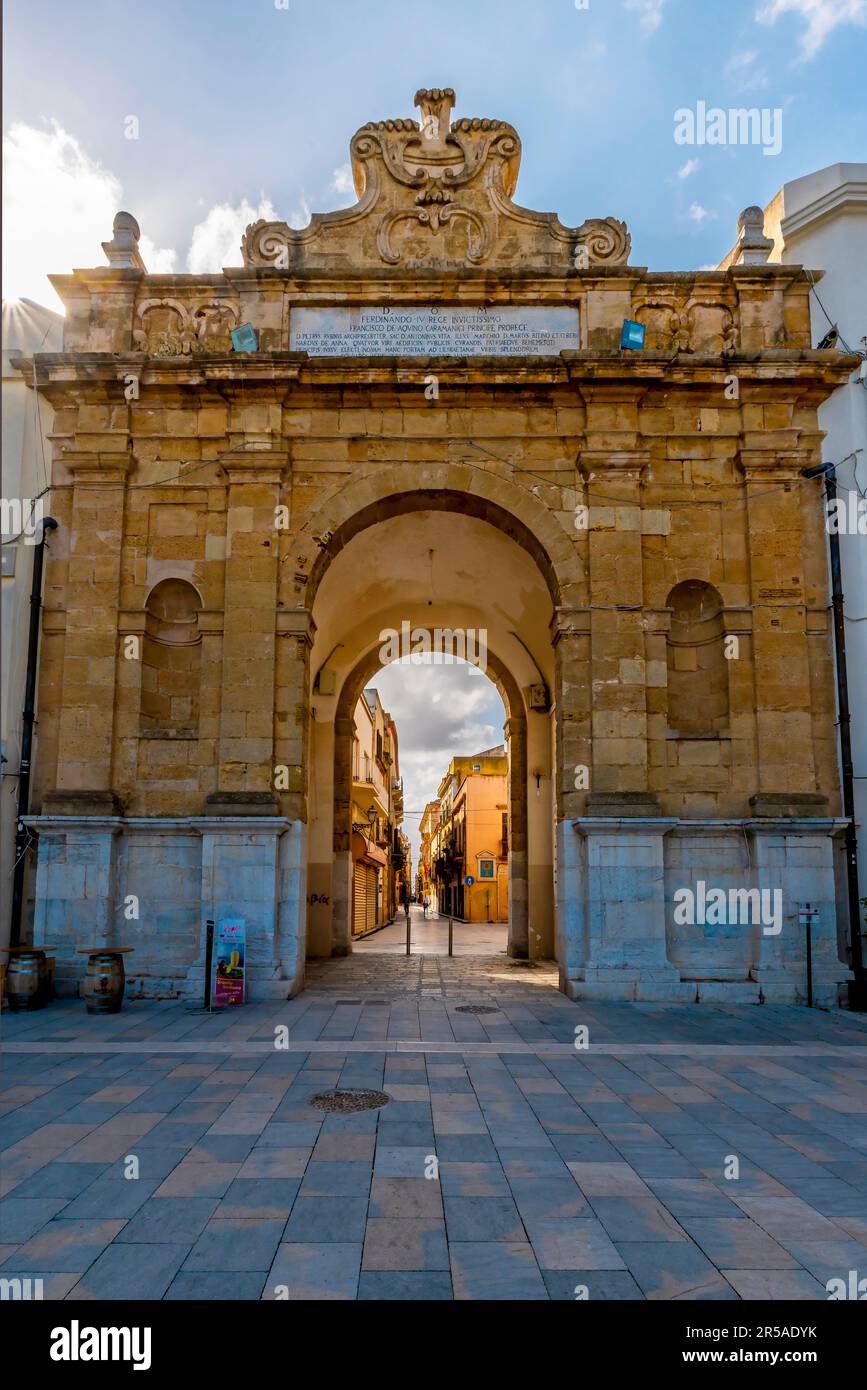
x=437, y=193
x=169, y=328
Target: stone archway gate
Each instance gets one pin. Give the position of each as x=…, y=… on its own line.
x=436, y=334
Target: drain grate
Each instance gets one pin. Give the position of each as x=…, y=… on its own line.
x=346, y=1102
x=476, y=1009
x=523, y=965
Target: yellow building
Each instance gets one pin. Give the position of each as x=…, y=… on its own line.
x=473, y=817
x=377, y=811
x=425, y=883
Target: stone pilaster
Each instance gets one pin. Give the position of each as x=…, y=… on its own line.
x=91, y=648
x=246, y=739
x=618, y=671
x=519, y=925
x=780, y=647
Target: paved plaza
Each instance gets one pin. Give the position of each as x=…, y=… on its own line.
x=507, y=1164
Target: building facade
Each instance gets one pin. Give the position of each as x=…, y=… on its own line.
x=438, y=372
x=377, y=812
x=473, y=818
x=425, y=884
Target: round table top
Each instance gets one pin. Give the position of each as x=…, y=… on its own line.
x=103, y=950
x=12, y=949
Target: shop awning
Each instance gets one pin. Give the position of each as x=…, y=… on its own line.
x=368, y=851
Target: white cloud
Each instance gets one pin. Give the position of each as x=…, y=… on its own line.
x=216, y=240
x=698, y=214
x=741, y=69
x=60, y=205
x=299, y=217
x=690, y=167
x=343, y=184
x=650, y=12
x=821, y=18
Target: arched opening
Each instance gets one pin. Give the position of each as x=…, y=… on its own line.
x=171, y=661
x=698, y=691
x=429, y=563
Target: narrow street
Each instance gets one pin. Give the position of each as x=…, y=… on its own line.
x=430, y=936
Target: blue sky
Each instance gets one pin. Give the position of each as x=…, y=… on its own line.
x=243, y=106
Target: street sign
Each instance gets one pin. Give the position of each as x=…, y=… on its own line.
x=469, y=880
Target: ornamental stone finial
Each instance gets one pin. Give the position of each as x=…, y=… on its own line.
x=122, y=251
x=753, y=247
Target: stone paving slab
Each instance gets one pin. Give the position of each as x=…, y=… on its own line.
x=506, y=1164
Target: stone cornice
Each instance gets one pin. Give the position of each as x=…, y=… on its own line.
x=66, y=378
x=113, y=825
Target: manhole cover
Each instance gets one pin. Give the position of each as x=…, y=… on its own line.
x=347, y=1101
x=476, y=1009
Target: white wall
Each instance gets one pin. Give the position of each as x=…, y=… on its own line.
x=820, y=222
x=27, y=328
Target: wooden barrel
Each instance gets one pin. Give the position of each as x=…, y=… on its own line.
x=104, y=982
x=24, y=980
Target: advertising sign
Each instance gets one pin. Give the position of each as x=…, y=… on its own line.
x=229, y=954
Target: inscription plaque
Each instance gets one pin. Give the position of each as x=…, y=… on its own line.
x=433, y=332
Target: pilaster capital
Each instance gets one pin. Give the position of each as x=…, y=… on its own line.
x=255, y=461
x=296, y=622
x=614, y=464
x=569, y=622
x=97, y=469
x=737, y=621
x=773, y=464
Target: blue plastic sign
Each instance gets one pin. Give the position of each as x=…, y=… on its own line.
x=632, y=335
x=245, y=338
x=469, y=880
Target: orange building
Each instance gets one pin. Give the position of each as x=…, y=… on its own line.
x=473, y=818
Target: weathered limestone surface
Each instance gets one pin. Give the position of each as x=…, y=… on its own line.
x=621, y=475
